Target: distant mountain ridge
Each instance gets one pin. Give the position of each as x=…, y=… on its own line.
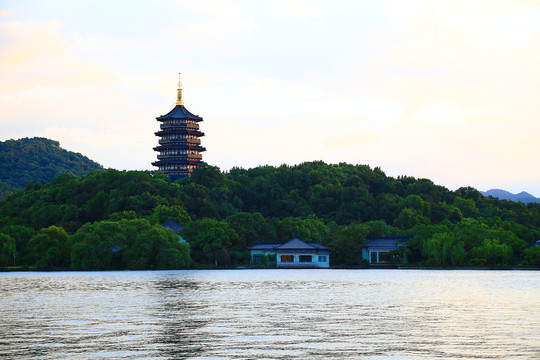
x=31, y=160
x=523, y=196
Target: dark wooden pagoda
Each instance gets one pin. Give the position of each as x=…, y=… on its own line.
x=179, y=144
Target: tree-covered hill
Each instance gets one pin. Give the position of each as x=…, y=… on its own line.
x=96, y=221
x=37, y=160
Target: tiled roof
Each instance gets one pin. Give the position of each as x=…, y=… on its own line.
x=296, y=244
x=386, y=242
x=179, y=112
x=291, y=245
x=173, y=225
x=264, y=246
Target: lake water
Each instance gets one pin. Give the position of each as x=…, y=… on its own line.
x=271, y=314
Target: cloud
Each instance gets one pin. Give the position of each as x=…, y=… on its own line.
x=36, y=58
x=47, y=90
x=338, y=138
x=5, y=12
x=303, y=9
x=211, y=20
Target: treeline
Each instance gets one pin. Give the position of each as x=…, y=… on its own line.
x=111, y=219
x=32, y=160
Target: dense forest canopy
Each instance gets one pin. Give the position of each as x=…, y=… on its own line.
x=38, y=160
x=111, y=219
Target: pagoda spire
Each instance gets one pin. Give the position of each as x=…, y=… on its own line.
x=179, y=100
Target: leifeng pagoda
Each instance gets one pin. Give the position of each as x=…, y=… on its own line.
x=179, y=144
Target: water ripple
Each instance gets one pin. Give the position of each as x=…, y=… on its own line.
x=271, y=314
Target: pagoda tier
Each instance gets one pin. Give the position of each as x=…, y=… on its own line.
x=177, y=133
x=179, y=144
x=178, y=147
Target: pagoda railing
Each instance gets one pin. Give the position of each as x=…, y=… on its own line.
x=176, y=173
x=195, y=133
x=180, y=141
x=181, y=126
x=194, y=157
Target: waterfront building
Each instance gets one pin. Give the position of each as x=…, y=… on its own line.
x=293, y=254
x=179, y=150
x=375, y=251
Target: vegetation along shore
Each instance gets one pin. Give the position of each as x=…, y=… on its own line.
x=111, y=219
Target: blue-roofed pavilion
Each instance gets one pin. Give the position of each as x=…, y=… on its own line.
x=295, y=253
x=375, y=251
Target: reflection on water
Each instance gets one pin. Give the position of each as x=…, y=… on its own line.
x=271, y=314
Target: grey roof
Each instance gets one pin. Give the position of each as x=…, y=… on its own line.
x=386, y=242
x=294, y=244
x=264, y=246
x=173, y=225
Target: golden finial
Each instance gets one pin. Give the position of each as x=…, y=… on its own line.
x=179, y=100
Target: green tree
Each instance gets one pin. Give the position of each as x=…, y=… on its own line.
x=251, y=228
x=408, y=218
x=442, y=211
x=421, y=234
x=163, y=213
x=399, y=255
x=123, y=215
x=509, y=238
x=345, y=244
x=51, y=248
x=45, y=216
x=210, y=240
x=466, y=206
x=127, y=244
x=531, y=256
x=380, y=228
x=8, y=250
x=174, y=257
x=388, y=207
x=472, y=232
x=308, y=230
x=356, y=203
x=492, y=253
x=22, y=236
x=414, y=202
x=96, y=245
x=154, y=247
x=444, y=249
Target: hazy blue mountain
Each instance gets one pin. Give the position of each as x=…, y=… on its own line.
x=32, y=160
x=523, y=196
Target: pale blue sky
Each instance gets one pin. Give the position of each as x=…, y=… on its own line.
x=447, y=90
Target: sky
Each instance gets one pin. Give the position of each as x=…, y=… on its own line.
x=445, y=90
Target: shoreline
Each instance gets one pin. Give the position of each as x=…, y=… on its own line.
x=443, y=268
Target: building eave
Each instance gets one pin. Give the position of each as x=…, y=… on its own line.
x=179, y=112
